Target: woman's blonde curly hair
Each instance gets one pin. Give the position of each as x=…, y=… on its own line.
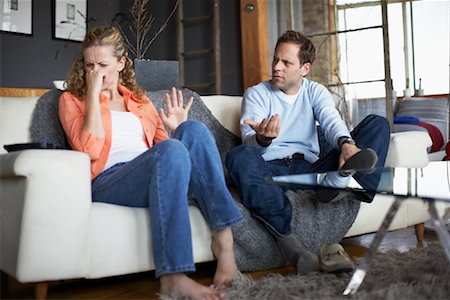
x=103, y=36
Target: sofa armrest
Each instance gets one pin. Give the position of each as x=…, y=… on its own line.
x=45, y=207
x=408, y=149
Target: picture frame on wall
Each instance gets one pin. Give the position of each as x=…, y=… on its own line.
x=16, y=16
x=69, y=19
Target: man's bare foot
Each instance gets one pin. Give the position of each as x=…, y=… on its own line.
x=222, y=247
x=179, y=285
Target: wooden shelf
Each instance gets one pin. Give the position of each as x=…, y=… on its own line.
x=22, y=92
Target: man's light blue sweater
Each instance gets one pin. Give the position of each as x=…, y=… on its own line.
x=298, y=132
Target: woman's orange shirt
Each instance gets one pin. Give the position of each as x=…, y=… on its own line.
x=72, y=114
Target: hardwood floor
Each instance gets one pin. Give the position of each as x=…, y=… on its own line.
x=145, y=286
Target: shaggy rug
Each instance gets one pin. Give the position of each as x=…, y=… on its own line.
x=416, y=274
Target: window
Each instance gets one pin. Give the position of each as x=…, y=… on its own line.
x=419, y=46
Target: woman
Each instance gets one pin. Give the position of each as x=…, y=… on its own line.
x=134, y=163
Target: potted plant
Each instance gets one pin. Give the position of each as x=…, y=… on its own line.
x=150, y=74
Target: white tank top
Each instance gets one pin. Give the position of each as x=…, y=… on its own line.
x=127, y=140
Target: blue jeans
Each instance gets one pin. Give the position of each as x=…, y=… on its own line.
x=162, y=179
x=248, y=171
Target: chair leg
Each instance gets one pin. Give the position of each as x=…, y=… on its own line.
x=420, y=231
x=41, y=290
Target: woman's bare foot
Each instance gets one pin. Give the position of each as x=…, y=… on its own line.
x=179, y=285
x=222, y=247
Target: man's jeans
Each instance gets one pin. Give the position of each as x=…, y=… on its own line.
x=248, y=171
x=162, y=179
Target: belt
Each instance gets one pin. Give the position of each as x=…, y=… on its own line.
x=295, y=156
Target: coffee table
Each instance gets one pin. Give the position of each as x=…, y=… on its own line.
x=428, y=184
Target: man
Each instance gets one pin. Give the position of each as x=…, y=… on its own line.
x=279, y=134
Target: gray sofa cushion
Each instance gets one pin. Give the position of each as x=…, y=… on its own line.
x=45, y=125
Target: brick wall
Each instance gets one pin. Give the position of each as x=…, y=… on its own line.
x=316, y=20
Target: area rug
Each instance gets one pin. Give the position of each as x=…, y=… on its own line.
x=416, y=274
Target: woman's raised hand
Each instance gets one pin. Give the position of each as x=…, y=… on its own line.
x=176, y=113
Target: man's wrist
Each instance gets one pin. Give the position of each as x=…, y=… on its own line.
x=345, y=140
x=262, y=143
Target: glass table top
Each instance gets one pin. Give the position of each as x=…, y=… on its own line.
x=432, y=181
x=431, y=184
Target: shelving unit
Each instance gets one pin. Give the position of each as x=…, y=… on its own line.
x=211, y=55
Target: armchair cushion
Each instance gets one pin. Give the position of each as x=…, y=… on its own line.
x=401, y=154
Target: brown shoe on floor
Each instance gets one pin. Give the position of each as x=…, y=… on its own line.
x=334, y=259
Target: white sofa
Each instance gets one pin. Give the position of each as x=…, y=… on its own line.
x=50, y=229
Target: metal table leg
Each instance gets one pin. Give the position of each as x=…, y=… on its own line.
x=439, y=225
x=360, y=273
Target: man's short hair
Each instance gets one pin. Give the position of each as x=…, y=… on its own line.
x=307, y=51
